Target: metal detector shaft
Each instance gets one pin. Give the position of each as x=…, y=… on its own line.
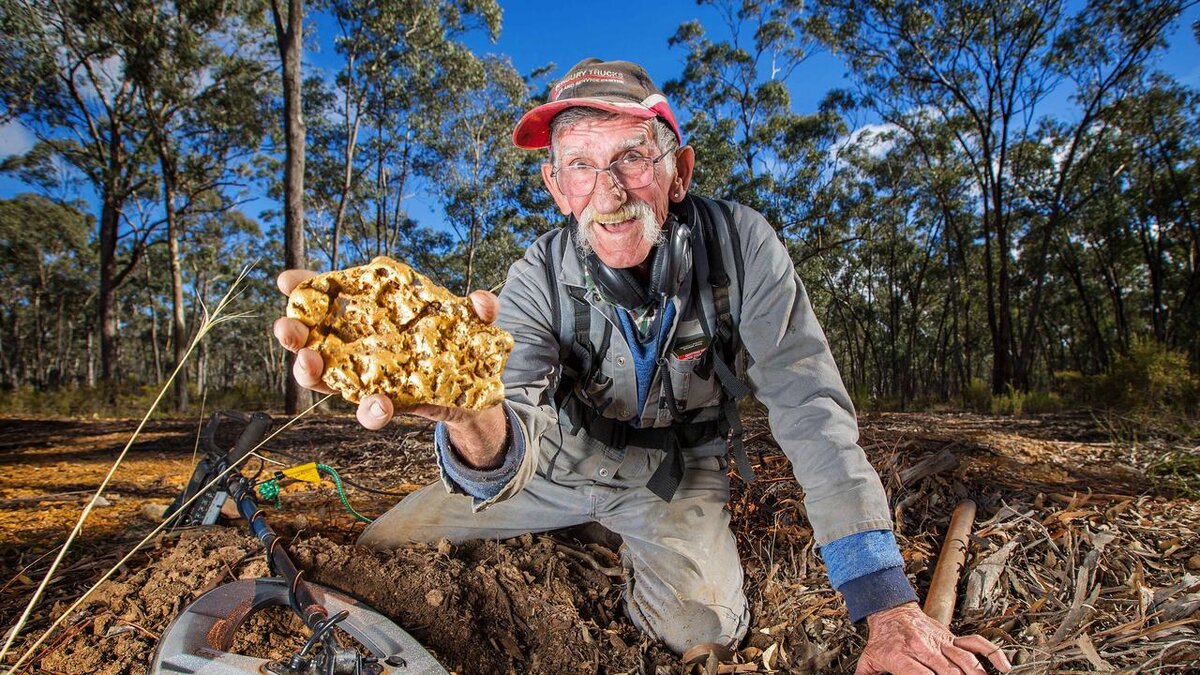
x=242, y=492
x=277, y=557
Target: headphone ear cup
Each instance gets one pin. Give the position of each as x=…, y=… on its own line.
x=681, y=255
x=661, y=273
x=672, y=260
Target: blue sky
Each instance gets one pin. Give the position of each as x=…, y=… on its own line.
x=538, y=33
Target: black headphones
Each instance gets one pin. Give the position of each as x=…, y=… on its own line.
x=670, y=267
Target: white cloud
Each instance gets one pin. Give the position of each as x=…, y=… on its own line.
x=15, y=139
x=877, y=140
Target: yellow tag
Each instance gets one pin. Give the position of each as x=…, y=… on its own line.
x=305, y=472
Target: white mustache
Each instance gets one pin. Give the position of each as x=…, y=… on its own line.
x=631, y=210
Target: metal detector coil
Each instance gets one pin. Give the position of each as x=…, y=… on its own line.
x=199, y=639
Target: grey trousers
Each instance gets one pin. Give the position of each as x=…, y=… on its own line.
x=686, y=587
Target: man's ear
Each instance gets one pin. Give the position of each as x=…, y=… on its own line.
x=685, y=162
x=560, y=200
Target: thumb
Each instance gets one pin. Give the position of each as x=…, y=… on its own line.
x=288, y=280
x=487, y=305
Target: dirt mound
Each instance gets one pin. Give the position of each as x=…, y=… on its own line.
x=532, y=604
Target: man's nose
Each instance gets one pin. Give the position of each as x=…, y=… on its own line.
x=609, y=194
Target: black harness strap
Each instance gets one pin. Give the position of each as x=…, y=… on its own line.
x=669, y=474
x=718, y=327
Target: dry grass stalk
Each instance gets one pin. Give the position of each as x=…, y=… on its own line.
x=207, y=324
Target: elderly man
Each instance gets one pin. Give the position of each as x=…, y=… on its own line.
x=620, y=390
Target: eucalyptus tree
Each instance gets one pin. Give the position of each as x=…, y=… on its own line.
x=1164, y=129
x=287, y=17
x=66, y=77
x=46, y=268
x=885, y=284
x=202, y=91
x=1131, y=255
x=403, y=62
x=735, y=91
x=221, y=244
x=990, y=69
x=472, y=165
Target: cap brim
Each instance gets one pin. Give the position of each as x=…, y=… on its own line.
x=533, y=131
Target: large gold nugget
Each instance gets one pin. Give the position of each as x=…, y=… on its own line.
x=383, y=328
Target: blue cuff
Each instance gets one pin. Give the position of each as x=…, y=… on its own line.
x=868, y=570
x=480, y=483
x=859, y=554
x=876, y=592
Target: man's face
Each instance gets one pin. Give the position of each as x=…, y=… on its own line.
x=609, y=216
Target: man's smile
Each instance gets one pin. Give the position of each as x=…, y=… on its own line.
x=617, y=220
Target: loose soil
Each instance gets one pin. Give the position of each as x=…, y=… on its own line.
x=1082, y=510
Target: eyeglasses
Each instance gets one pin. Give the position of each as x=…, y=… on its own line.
x=632, y=171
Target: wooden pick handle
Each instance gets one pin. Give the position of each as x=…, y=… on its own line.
x=943, y=590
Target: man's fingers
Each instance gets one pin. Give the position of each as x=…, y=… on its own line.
x=307, y=371
x=375, y=411
x=935, y=660
x=986, y=648
x=906, y=665
x=289, y=279
x=292, y=334
x=487, y=305
x=867, y=666
x=964, y=660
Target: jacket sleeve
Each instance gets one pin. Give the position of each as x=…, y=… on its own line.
x=792, y=372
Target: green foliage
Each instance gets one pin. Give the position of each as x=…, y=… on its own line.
x=1041, y=402
x=948, y=224
x=71, y=401
x=1011, y=403
x=45, y=279
x=408, y=89
x=1181, y=470
x=978, y=396
x=941, y=73
x=751, y=147
x=1150, y=381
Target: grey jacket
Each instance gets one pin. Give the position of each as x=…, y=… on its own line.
x=791, y=371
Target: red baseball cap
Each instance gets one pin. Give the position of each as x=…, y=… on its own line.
x=615, y=86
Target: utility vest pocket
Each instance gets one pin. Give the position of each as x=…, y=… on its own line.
x=690, y=390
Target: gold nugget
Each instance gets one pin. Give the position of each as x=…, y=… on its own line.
x=384, y=328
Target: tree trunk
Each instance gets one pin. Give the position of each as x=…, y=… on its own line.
x=153, y=304
x=109, y=217
x=178, y=323
x=289, y=33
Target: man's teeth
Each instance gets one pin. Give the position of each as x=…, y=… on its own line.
x=613, y=218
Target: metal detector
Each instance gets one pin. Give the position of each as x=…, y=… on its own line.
x=199, y=639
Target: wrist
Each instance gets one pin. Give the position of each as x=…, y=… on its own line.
x=479, y=439
x=891, y=612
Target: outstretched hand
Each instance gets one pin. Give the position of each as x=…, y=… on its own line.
x=375, y=411
x=904, y=641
